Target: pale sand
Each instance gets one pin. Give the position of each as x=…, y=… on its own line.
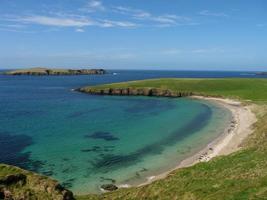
x=227, y=142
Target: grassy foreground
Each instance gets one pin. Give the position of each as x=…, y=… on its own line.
x=241, y=175
x=21, y=184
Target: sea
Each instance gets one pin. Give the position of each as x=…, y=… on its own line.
x=85, y=141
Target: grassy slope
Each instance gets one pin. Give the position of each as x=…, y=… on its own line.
x=36, y=186
x=241, y=175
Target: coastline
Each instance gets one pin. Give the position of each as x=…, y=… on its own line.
x=228, y=142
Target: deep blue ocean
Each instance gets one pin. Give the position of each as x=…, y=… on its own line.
x=85, y=141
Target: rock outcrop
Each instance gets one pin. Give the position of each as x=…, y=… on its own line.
x=18, y=184
x=135, y=92
x=56, y=72
x=109, y=187
x=13, y=179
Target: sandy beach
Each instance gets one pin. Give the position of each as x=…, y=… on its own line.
x=228, y=142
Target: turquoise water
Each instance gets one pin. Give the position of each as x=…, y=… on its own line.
x=85, y=141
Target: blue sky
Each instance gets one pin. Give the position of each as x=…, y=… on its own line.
x=134, y=34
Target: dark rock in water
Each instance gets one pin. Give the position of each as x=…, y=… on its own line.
x=12, y=151
x=108, y=179
x=48, y=173
x=109, y=187
x=67, y=195
x=113, y=161
x=143, y=169
x=102, y=135
x=12, y=147
x=68, y=183
x=93, y=149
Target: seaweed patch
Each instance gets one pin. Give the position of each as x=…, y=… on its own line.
x=102, y=179
x=68, y=183
x=107, y=136
x=93, y=149
x=108, y=162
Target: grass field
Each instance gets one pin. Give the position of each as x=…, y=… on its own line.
x=239, y=176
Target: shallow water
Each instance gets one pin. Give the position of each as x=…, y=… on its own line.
x=85, y=141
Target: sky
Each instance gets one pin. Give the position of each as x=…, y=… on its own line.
x=134, y=34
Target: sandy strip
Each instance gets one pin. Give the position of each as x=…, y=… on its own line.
x=227, y=142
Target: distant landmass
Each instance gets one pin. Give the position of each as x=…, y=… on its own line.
x=41, y=71
x=262, y=73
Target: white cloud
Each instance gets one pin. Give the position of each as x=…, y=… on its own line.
x=171, y=51
x=131, y=11
x=208, y=50
x=109, y=55
x=78, y=22
x=261, y=25
x=19, y=28
x=16, y=26
x=15, y=30
x=80, y=30
x=214, y=14
x=93, y=6
x=165, y=20
x=111, y=23
x=53, y=21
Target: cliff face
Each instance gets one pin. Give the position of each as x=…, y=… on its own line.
x=46, y=71
x=18, y=184
x=135, y=92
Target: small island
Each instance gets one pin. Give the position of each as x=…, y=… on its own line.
x=41, y=71
x=262, y=73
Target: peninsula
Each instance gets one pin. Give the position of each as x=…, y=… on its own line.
x=41, y=71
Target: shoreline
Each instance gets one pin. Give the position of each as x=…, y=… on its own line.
x=227, y=142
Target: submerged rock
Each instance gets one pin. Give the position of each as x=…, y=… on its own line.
x=102, y=135
x=109, y=187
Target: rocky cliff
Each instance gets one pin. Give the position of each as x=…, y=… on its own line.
x=19, y=184
x=135, y=92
